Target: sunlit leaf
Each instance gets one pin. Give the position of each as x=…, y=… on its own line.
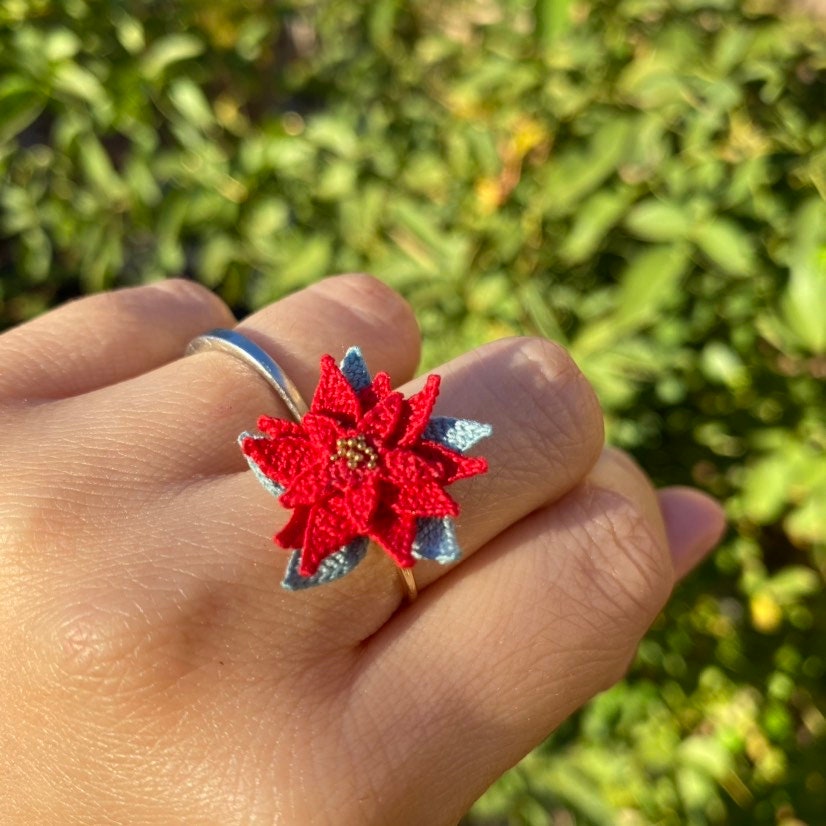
x=727, y=245
x=168, y=50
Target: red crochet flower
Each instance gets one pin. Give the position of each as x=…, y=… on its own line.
x=358, y=466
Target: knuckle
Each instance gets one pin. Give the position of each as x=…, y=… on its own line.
x=616, y=573
x=363, y=284
x=374, y=298
x=133, y=305
x=561, y=406
x=86, y=645
x=194, y=295
x=629, y=564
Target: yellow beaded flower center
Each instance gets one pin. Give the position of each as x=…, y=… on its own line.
x=356, y=451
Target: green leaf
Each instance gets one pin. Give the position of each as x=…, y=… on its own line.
x=793, y=583
x=592, y=222
x=309, y=263
x=647, y=284
x=650, y=281
x=382, y=21
x=130, y=32
x=333, y=134
x=265, y=219
x=216, y=255
x=655, y=220
x=36, y=255
x=99, y=169
x=61, y=44
x=803, y=304
x=807, y=523
x=336, y=181
x=578, y=172
x=20, y=105
x=706, y=755
x=727, y=245
x=79, y=82
x=191, y=103
x=766, y=488
x=721, y=364
x=553, y=19
x=167, y=51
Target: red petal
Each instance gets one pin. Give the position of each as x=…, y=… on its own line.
x=362, y=500
x=381, y=421
x=292, y=534
x=417, y=410
x=334, y=396
x=329, y=529
x=281, y=459
x=453, y=466
x=395, y=533
x=278, y=427
x=308, y=487
x=426, y=498
x=404, y=467
x=379, y=389
x=322, y=430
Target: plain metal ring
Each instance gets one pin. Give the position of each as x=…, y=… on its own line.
x=237, y=345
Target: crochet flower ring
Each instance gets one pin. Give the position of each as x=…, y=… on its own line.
x=362, y=464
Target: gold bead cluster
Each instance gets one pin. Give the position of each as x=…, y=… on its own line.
x=356, y=451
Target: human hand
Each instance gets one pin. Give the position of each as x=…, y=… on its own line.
x=153, y=670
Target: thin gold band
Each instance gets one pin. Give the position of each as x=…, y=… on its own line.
x=408, y=581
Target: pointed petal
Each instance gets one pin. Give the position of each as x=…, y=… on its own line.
x=457, y=434
x=417, y=410
x=279, y=427
x=354, y=369
x=322, y=430
x=426, y=498
x=395, y=533
x=328, y=530
x=334, y=566
x=362, y=500
x=279, y=459
x=308, y=487
x=381, y=421
x=292, y=534
x=405, y=467
x=436, y=540
x=334, y=396
x=268, y=484
x=380, y=388
x=454, y=466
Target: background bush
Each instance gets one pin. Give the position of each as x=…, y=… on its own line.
x=642, y=180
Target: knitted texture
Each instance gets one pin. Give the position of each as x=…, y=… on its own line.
x=363, y=464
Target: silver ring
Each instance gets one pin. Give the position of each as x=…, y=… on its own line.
x=239, y=346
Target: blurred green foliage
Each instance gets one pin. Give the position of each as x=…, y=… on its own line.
x=642, y=180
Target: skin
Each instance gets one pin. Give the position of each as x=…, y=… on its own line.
x=154, y=672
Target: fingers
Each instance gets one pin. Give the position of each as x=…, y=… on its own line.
x=105, y=338
x=182, y=421
x=518, y=637
x=132, y=466
x=547, y=433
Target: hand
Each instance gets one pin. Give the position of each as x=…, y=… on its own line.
x=153, y=670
